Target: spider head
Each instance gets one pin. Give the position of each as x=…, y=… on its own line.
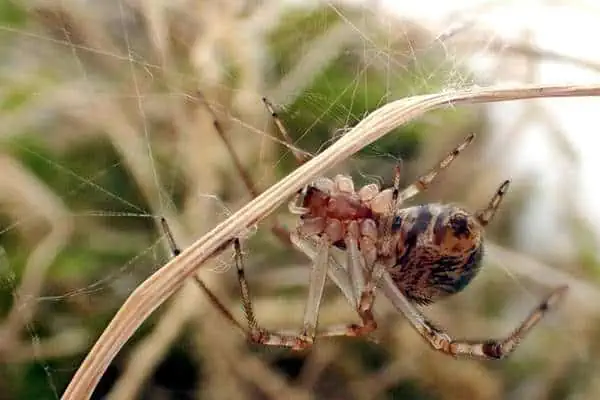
x=309, y=201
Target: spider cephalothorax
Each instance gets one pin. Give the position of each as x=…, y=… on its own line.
x=368, y=243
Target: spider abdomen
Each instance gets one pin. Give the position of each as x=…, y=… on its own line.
x=439, y=251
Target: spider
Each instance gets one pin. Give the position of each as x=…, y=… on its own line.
x=369, y=244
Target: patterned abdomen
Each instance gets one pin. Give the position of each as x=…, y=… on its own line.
x=439, y=252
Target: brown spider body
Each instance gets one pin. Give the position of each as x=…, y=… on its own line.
x=433, y=251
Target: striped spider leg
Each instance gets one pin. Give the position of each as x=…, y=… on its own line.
x=482, y=349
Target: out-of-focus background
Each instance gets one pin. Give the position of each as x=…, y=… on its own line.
x=103, y=131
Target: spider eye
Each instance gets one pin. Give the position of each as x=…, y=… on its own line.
x=397, y=222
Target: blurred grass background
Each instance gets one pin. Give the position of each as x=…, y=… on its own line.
x=103, y=132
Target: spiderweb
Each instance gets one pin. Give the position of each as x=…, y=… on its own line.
x=105, y=132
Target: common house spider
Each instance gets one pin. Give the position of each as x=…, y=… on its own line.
x=367, y=243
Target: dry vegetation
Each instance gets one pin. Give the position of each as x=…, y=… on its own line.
x=103, y=131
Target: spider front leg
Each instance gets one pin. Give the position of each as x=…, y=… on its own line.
x=257, y=334
x=175, y=251
x=305, y=339
x=359, y=293
x=423, y=182
x=485, y=215
x=484, y=349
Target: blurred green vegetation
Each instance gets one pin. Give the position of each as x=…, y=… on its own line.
x=12, y=14
x=110, y=252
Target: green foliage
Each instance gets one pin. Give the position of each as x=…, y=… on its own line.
x=284, y=41
x=352, y=86
x=409, y=390
x=36, y=381
x=587, y=250
x=373, y=357
x=574, y=380
x=86, y=175
x=333, y=103
x=12, y=13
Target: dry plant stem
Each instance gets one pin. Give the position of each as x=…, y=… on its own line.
x=213, y=339
x=67, y=343
x=163, y=283
x=250, y=368
x=23, y=192
x=319, y=359
x=152, y=349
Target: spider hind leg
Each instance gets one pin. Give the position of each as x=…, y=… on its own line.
x=483, y=349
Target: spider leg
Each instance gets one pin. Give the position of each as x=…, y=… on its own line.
x=305, y=339
x=484, y=349
x=248, y=182
x=175, y=251
x=345, y=268
x=423, y=182
x=279, y=231
x=485, y=215
x=359, y=293
x=318, y=275
x=301, y=157
x=254, y=332
x=336, y=270
x=364, y=309
x=354, y=262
